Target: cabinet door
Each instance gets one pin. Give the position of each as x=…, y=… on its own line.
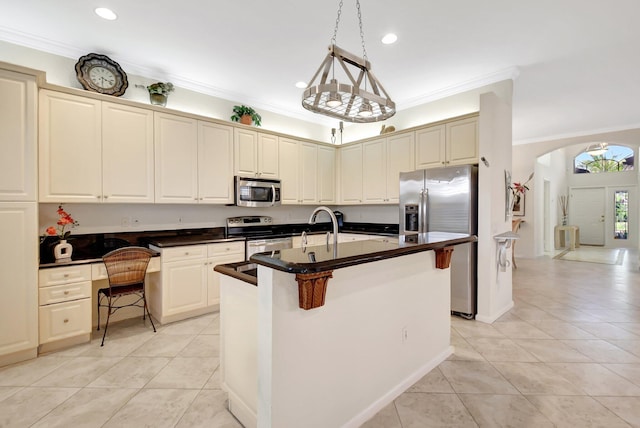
x=213, y=277
x=374, y=171
x=215, y=163
x=184, y=286
x=268, y=156
x=289, y=154
x=245, y=152
x=64, y=320
x=127, y=154
x=18, y=131
x=430, y=147
x=462, y=142
x=308, y=174
x=326, y=175
x=70, y=148
x=351, y=174
x=176, y=159
x=18, y=277
x=400, y=158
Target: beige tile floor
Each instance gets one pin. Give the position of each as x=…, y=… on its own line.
x=567, y=355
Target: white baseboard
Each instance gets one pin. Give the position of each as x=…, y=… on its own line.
x=493, y=317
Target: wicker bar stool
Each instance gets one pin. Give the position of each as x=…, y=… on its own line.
x=126, y=269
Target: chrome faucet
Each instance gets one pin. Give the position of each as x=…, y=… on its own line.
x=334, y=222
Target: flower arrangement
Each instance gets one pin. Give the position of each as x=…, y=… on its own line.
x=518, y=190
x=64, y=221
x=160, y=88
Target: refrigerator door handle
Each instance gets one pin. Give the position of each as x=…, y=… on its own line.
x=424, y=195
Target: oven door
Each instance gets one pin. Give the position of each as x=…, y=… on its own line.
x=256, y=192
x=267, y=245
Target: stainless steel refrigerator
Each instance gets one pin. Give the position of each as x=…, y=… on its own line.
x=446, y=200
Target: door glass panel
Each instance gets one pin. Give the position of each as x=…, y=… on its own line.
x=621, y=215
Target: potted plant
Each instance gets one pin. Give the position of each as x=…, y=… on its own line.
x=246, y=115
x=158, y=92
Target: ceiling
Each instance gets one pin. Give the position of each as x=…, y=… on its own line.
x=576, y=62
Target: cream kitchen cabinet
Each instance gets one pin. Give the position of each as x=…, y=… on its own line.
x=351, y=174
x=186, y=286
x=64, y=306
x=18, y=216
x=194, y=160
x=383, y=160
x=176, y=159
x=326, y=175
x=18, y=281
x=298, y=171
x=18, y=134
x=215, y=163
x=218, y=254
x=255, y=154
x=108, y=145
x=453, y=143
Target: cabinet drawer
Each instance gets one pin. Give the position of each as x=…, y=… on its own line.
x=99, y=270
x=64, y=320
x=64, y=275
x=225, y=248
x=65, y=293
x=187, y=252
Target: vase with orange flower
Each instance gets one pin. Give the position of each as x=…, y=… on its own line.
x=62, y=250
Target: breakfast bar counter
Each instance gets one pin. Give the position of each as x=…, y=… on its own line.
x=384, y=322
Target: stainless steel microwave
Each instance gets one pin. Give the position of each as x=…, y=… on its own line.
x=257, y=192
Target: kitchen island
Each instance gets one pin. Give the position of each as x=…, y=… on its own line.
x=328, y=339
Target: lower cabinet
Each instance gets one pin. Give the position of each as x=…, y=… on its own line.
x=188, y=286
x=64, y=299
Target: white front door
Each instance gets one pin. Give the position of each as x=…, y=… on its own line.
x=587, y=211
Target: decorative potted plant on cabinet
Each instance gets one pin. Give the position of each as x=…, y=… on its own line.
x=159, y=92
x=246, y=115
x=62, y=249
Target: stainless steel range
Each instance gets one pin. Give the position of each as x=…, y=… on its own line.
x=258, y=230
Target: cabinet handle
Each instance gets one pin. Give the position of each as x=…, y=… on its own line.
x=66, y=320
x=66, y=292
x=66, y=275
x=105, y=197
x=186, y=253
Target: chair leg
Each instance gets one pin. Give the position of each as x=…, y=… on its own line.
x=106, y=326
x=146, y=308
x=98, y=329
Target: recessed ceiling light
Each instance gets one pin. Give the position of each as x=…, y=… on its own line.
x=301, y=85
x=105, y=13
x=389, y=39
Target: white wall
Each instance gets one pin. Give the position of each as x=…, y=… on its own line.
x=61, y=71
x=560, y=174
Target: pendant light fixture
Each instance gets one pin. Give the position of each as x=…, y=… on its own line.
x=361, y=98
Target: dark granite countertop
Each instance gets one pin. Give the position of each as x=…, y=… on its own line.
x=321, y=258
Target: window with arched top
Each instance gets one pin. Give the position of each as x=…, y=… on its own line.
x=603, y=157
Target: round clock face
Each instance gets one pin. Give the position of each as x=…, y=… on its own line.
x=100, y=73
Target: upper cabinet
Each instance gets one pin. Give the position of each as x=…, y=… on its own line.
x=255, y=154
x=176, y=160
x=194, y=160
x=108, y=145
x=351, y=174
x=453, y=143
x=383, y=160
x=18, y=135
x=215, y=163
x=298, y=171
x=326, y=175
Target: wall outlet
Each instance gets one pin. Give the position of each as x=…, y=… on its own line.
x=125, y=222
x=405, y=334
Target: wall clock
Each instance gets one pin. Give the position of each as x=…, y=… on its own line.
x=99, y=73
